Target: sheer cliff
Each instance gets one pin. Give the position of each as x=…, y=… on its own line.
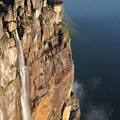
x=36, y=66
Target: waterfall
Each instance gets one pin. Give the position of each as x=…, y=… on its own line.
x=24, y=80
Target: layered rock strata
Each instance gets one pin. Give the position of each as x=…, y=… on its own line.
x=48, y=60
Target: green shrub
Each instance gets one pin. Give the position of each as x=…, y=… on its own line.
x=52, y=57
x=49, y=9
x=63, y=29
x=69, y=39
x=39, y=44
x=43, y=53
x=47, y=51
x=5, y=38
x=45, y=41
x=52, y=36
x=9, y=83
x=5, y=29
x=62, y=24
x=5, y=88
x=9, y=7
x=12, y=66
x=29, y=21
x=2, y=54
x=19, y=10
x=3, y=91
x=24, y=23
x=47, y=21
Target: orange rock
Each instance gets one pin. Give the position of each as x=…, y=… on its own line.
x=43, y=109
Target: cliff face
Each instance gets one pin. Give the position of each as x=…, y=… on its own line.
x=48, y=61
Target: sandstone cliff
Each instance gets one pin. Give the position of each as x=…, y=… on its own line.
x=48, y=61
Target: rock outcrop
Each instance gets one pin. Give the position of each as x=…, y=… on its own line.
x=48, y=60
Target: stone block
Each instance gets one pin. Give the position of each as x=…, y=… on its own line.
x=12, y=26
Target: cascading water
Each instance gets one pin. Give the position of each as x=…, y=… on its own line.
x=24, y=80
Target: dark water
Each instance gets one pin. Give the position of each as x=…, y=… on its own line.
x=96, y=54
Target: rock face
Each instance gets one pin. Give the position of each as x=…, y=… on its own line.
x=48, y=59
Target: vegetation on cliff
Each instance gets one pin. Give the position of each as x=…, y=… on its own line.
x=5, y=88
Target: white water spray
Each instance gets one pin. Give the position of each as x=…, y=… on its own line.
x=24, y=80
